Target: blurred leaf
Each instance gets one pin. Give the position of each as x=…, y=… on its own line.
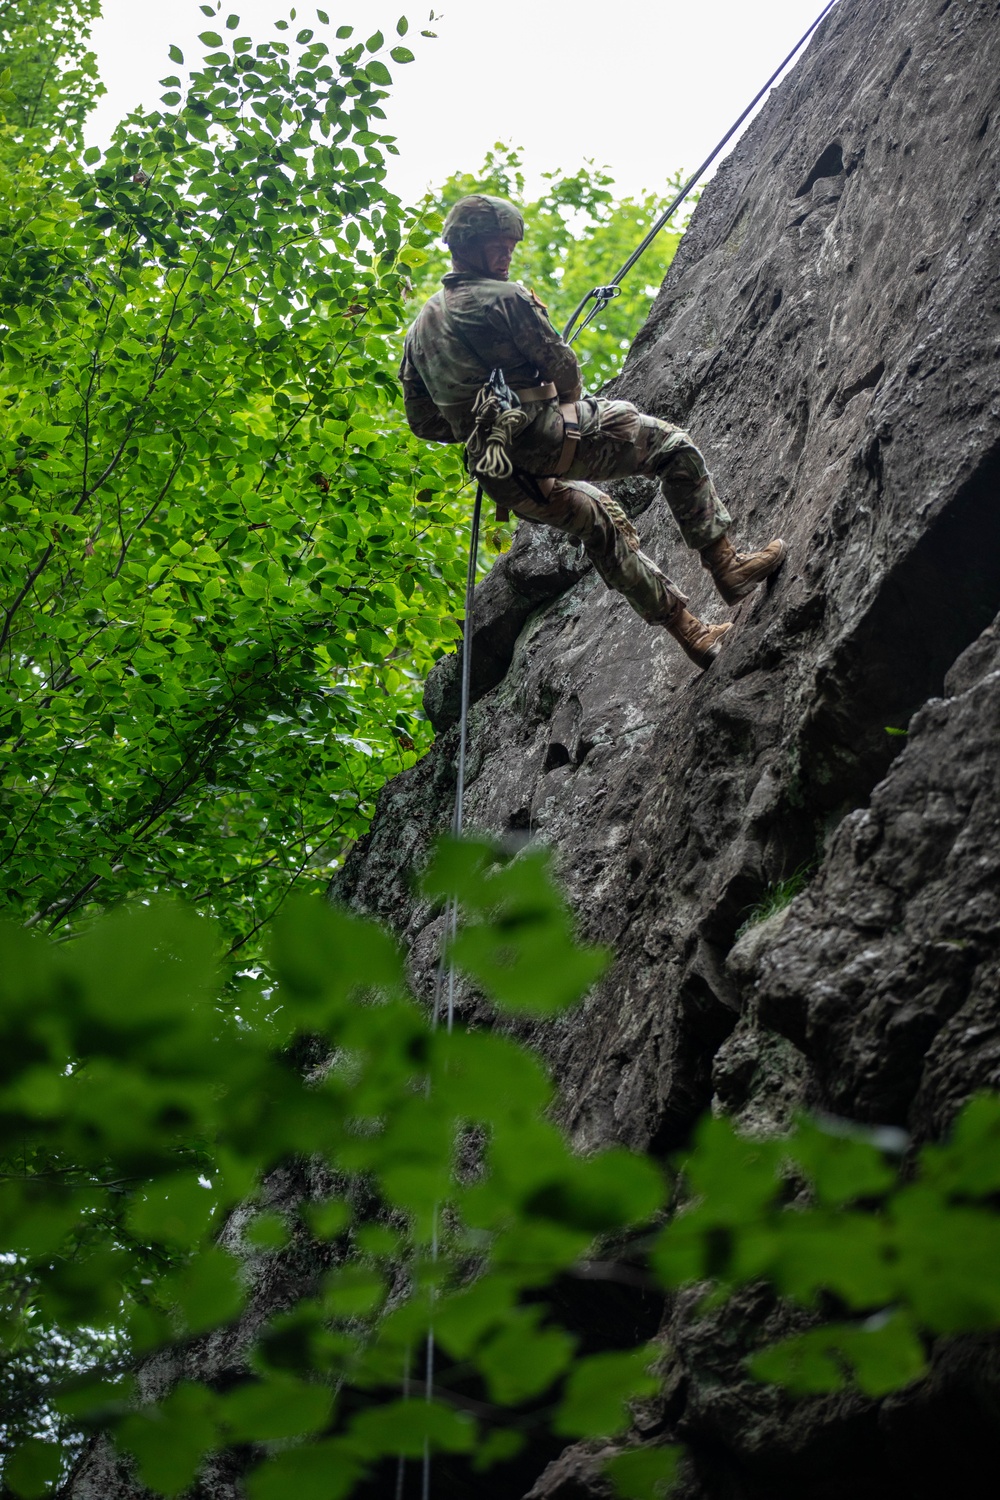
x=598, y=1390
x=643, y=1473
x=522, y=1361
x=602, y=1192
x=176, y=1210
x=169, y=1441
x=207, y=1292
x=267, y=1231
x=327, y=1220
x=403, y=1427
x=840, y=1168
x=274, y=1408
x=32, y=1468
x=321, y=1471
x=499, y=1446
x=321, y=955
x=880, y=1356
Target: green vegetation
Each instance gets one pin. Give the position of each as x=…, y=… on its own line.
x=225, y=571
x=225, y=567
x=778, y=896
x=150, y=1105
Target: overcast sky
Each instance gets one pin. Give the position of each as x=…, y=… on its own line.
x=641, y=88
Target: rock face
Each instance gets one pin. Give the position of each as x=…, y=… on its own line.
x=830, y=334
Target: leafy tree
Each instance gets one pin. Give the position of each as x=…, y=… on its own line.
x=225, y=569
x=152, y=1106
x=48, y=81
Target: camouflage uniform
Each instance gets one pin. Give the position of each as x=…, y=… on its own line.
x=476, y=323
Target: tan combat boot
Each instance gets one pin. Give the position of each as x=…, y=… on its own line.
x=697, y=640
x=737, y=574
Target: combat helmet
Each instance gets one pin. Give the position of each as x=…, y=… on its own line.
x=478, y=215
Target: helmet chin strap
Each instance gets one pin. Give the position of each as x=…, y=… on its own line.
x=464, y=262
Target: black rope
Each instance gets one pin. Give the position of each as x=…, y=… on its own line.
x=602, y=295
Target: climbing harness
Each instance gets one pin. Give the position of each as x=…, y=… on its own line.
x=499, y=418
x=602, y=295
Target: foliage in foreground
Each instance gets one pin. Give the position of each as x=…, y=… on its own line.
x=435, y=1192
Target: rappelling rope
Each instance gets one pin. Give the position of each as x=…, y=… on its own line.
x=451, y=929
x=602, y=295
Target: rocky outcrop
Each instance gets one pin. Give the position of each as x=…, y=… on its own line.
x=886, y=972
x=830, y=333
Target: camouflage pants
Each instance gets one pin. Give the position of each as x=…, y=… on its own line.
x=616, y=440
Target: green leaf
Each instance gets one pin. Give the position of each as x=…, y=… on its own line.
x=401, y=55
x=268, y=1231
x=176, y=1210
x=607, y=1191
x=274, y=1409
x=322, y=956
x=169, y=1441
x=404, y=1427
x=841, y=1167
x=32, y=1468
x=354, y=1291
x=327, y=1220
x=402, y=26
x=522, y=1361
x=599, y=1389
x=643, y=1473
x=345, y=31
x=175, y=54
x=970, y=1162
x=210, y=38
x=207, y=1292
x=321, y=1471
x=378, y=73
x=945, y=1260
x=881, y=1355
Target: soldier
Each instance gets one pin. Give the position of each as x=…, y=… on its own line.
x=534, y=458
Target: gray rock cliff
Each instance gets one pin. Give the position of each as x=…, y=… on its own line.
x=830, y=334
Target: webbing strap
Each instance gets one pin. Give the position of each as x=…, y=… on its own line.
x=571, y=437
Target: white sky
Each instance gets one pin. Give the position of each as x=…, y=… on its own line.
x=641, y=88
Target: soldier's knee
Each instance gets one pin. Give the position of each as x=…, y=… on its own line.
x=682, y=461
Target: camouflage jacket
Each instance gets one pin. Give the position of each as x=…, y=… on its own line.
x=470, y=327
